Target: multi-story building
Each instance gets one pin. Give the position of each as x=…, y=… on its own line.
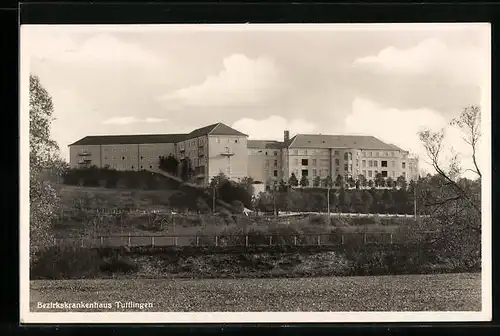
x=208, y=151
x=218, y=148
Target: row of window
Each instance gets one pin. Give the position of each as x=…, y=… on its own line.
x=125, y=167
x=367, y=173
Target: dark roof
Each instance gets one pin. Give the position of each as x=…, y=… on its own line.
x=339, y=141
x=128, y=139
x=214, y=129
x=268, y=144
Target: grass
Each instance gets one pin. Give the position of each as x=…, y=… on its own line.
x=436, y=292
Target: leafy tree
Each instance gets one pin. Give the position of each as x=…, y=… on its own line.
x=317, y=181
x=343, y=200
x=293, y=181
x=389, y=182
x=304, y=181
x=169, y=164
x=371, y=183
x=247, y=183
x=376, y=200
x=357, y=201
x=202, y=206
x=339, y=181
x=44, y=162
x=351, y=182
x=379, y=180
x=401, y=181
x=327, y=182
x=386, y=201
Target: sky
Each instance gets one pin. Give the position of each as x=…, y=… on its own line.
x=389, y=81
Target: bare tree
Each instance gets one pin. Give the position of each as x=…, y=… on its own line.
x=469, y=122
x=455, y=202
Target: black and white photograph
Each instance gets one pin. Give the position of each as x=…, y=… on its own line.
x=255, y=173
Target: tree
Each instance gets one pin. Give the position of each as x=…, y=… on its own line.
x=357, y=201
x=339, y=181
x=327, y=182
x=186, y=169
x=386, y=201
x=293, y=181
x=370, y=183
x=362, y=180
x=247, y=183
x=169, y=164
x=379, y=180
x=401, y=181
x=304, y=181
x=202, y=206
x=317, y=181
x=351, y=182
x=453, y=201
x=390, y=182
x=44, y=161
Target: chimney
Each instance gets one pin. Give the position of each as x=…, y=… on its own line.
x=286, y=136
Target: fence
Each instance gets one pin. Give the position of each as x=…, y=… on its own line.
x=241, y=240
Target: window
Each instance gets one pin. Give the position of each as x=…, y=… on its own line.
x=404, y=174
x=364, y=154
x=275, y=163
x=296, y=162
x=142, y=157
x=357, y=162
x=363, y=164
x=275, y=153
x=346, y=156
x=375, y=163
x=403, y=165
x=313, y=152
x=370, y=163
x=350, y=167
x=384, y=173
x=132, y=167
x=151, y=167
x=393, y=173
x=314, y=162
x=345, y=167
x=123, y=157
x=363, y=172
x=314, y=172
x=337, y=153
x=267, y=163
x=337, y=162
x=266, y=153
x=305, y=172
x=370, y=173
x=305, y=152
x=141, y=167
x=236, y=141
x=383, y=164
x=386, y=154
x=305, y=162
x=106, y=166
x=105, y=158
x=275, y=173
x=228, y=170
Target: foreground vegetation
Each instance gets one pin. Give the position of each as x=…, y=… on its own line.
x=436, y=292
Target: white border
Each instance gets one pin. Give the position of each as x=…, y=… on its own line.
x=248, y=317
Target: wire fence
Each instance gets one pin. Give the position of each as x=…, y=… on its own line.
x=241, y=240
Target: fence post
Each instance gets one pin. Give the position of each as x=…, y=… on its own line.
x=246, y=240
x=391, y=238
x=82, y=241
x=319, y=240
x=175, y=241
x=364, y=238
x=102, y=241
x=152, y=241
x=197, y=240
x=294, y=240
x=342, y=239
x=216, y=240
x=270, y=240
x=55, y=241
x=129, y=239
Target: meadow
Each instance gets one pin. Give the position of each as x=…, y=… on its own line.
x=433, y=292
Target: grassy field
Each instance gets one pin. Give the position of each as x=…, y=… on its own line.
x=440, y=292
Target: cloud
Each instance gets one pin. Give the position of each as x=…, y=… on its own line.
x=272, y=127
x=243, y=81
x=132, y=120
x=463, y=64
x=400, y=127
x=62, y=46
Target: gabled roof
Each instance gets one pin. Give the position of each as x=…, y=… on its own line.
x=128, y=139
x=266, y=144
x=214, y=129
x=339, y=141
